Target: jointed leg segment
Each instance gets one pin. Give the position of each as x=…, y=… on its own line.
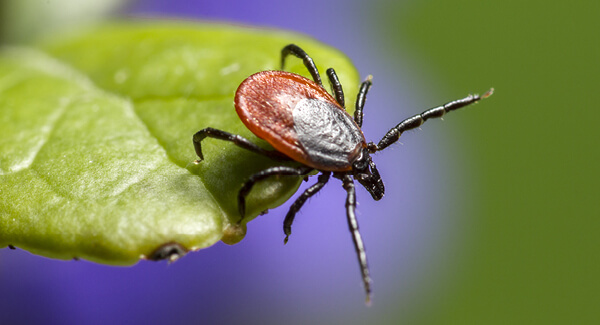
x=297, y=205
x=237, y=140
x=337, y=87
x=348, y=184
x=415, y=121
x=360, y=100
x=308, y=61
x=314, y=72
x=273, y=171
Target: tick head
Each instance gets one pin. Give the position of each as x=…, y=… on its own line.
x=365, y=172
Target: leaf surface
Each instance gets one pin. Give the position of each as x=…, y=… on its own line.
x=96, y=154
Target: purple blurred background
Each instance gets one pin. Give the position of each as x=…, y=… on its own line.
x=410, y=235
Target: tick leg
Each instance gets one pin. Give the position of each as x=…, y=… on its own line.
x=308, y=61
x=360, y=100
x=337, y=87
x=289, y=218
x=358, y=243
x=273, y=171
x=415, y=121
x=237, y=140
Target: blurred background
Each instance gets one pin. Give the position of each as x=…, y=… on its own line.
x=491, y=216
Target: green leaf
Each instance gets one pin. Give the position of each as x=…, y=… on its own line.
x=96, y=154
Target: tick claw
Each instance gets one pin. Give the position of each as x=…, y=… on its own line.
x=488, y=93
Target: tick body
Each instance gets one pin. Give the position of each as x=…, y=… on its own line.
x=299, y=119
x=304, y=123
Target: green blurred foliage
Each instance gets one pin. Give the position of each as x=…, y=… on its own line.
x=531, y=254
x=24, y=20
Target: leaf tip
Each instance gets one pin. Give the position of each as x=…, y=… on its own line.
x=233, y=233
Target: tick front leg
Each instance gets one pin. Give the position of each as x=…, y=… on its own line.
x=415, y=121
x=237, y=140
x=306, y=59
x=273, y=171
x=348, y=184
x=297, y=205
x=361, y=98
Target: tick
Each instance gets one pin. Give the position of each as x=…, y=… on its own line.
x=306, y=124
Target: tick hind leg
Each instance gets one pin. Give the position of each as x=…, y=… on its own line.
x=297, y=205
x=308, y=61
x=273, y=171
x=237, y=140
x=415, y=121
